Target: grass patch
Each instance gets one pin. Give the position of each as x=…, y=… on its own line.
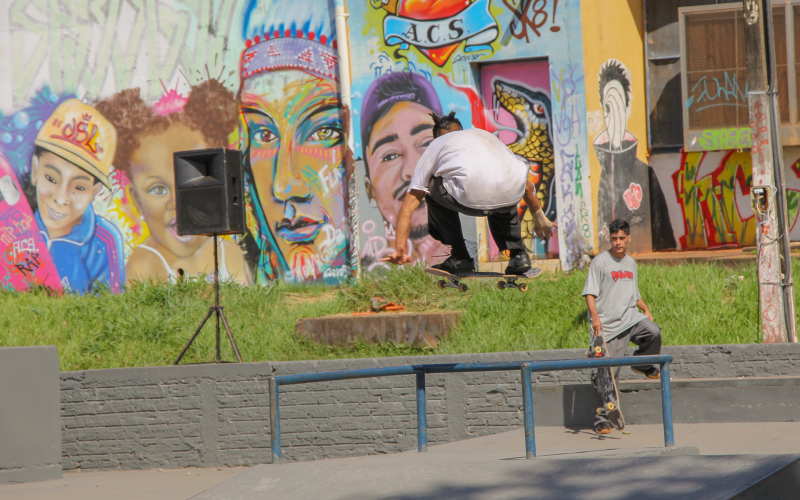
x=149, y=324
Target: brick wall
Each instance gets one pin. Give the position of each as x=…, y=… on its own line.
x=213, y=415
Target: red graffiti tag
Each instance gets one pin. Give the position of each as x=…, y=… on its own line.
x=621, y=275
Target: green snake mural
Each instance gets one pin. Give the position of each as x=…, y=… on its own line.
x=531, y=112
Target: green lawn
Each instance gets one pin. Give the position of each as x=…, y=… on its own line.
x=148, y=325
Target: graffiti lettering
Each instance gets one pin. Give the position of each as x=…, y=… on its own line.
x=437, y=39
x=711, y=93
x=759, y=135
x=376, y=247
x=567, y=125
x=530, y=14
x=89, y=47
x=725, y=138
x=711, y=212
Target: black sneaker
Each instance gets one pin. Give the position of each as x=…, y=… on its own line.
x=652, y=372
x=519, y=264
x=454, y=265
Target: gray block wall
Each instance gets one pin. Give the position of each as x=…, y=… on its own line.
x=218, y=415
x=30, y=428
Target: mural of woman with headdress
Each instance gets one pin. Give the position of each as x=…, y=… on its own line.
x=294, y=142
x=147, y=138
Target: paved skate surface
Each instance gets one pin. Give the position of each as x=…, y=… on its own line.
x=710, y=439
x=462, y=476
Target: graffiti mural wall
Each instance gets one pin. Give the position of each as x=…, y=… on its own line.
x=708, y=197
x=414, y=57
x=95, y=97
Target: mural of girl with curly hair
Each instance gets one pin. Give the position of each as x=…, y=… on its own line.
x=147, y=138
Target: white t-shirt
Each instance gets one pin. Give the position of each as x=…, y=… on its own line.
x=478, y=170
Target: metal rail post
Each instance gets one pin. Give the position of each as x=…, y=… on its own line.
x=527, y=404
x=275, y=420
x=666, y=406
x=422, y=416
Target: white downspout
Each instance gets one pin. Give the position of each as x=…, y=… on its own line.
x=343, y=48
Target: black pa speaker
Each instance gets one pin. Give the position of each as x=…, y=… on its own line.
x=209, y=192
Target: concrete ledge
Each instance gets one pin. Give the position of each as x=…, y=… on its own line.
x=30, y=428
x=218, y=415
x=758, y=399
x=412, y=329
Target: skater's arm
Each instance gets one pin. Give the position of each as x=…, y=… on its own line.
x=591, y=304
x=644, y=309
x=411, y=203
x=542, y=225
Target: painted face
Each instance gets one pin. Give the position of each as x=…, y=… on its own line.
x=63, y=191
x=398, y=140
x=296, y=150
x=152, y=186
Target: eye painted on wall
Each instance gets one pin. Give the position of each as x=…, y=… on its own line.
x=157, y=190
x=328, y=135
x=390, y=156
x=538, y=109
x=80, y=188
x=264, y=136
x=49, y=178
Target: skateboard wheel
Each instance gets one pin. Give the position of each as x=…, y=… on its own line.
x=599, y=411
x=501, y=285
x=611, y=406
x=598, y=350
x=441, y=284
x=462, y=287
x=523, y=287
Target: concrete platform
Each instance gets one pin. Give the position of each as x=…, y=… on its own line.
x=466, y=476
x=710, y=439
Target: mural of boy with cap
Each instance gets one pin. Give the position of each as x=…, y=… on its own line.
x=70, y=164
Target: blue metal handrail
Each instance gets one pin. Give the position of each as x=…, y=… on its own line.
x=526, y=368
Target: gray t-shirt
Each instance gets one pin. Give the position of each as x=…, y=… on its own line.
x=615, y=284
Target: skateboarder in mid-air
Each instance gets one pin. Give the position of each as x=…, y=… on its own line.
x=612, y=296
x=470, y=172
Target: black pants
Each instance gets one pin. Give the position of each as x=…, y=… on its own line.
x=444, y=224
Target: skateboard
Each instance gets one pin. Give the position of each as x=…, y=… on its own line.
x=605, y=379
x=508, y=281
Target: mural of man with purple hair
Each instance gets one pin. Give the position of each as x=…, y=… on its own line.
x=396, y=129
x=294, y=141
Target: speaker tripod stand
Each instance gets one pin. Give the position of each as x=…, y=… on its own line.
x=214, y=309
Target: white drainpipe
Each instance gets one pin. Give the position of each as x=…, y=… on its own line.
x=344, y=89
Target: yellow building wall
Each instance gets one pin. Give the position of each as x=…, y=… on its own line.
x=613, y=29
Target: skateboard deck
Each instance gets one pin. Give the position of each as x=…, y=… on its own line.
x=508, y=280
x=608, y=385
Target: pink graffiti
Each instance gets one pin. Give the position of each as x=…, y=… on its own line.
x=758, y=138
x=633, y=196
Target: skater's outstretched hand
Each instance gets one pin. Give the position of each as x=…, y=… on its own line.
x=399, y=257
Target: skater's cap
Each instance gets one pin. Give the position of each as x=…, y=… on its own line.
x=81, y=135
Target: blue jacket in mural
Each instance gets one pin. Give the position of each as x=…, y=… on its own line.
x=91, y=252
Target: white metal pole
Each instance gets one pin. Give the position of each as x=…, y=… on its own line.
x=343, y=48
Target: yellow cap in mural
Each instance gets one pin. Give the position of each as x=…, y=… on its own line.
x=81, y=135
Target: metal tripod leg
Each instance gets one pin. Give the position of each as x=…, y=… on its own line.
x=217, y=309
x=196, y=332
x=230, y=335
